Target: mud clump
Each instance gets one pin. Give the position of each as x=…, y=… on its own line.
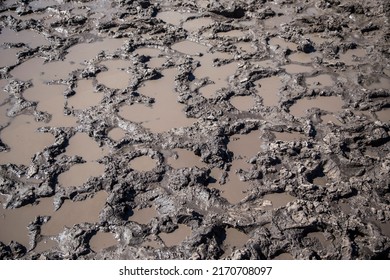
x=218, y=130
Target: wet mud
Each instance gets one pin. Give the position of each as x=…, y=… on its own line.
x=218, y=129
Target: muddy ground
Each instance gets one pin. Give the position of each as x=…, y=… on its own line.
x=147, y=129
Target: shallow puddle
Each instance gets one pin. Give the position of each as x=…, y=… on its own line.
x=320, y=81
x=102, y=240
x=155, y=61
x=8, y=57
x=268, y=89
x=79, y=174
x=166, y=113
x=301, y=57
x=232, y=34
x=189, y=47
x=40, y=4
x=35, y=69
x=331, y=104
x=384, y=83
x=116, y=134
x=143, y=163
x=217, y=74
x=278, y=200
x=234, y=190
x=196, y=24
x=235, y=239
x=266, y=64
x=353, y=56
x=177, y=236
x=245, y=47
x=86, y=51
x=277, y=41
x=152, y=52
x=297, y=69
x=284, y=256
x=144, y=215
x=51, y=99
x=245, y=145
x=28, y=37
x=172, y=17
x=4, y=119
x=384, y=115
x=114, y=77
x=85, y=96
x=72, y=213
x=289, y=136
x=276, y=22
x=45, y=245
x=316, y=38
x=14, y=222
x=23, y=139
x=243, y=103
x=82, y=145
x=185, y=159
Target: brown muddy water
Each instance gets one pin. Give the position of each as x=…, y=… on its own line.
x=297, y=68
x=115, y=77
x=243, y=147
x=102, y=240
x=143, y=163
x=268, y=89
x=177, y=236
x=8, y=57
x=14, y=222
x=116, y=134
x=277, y=200
x=85, y=96
x=182, y=158
x=23, y=140
x=331, y=104
x=241, y=73
x=144, y=215
x=79, y=174
x=243, y=103
x=234, y=240
x=166, y=113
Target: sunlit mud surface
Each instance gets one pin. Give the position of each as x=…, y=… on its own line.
x=211, y=130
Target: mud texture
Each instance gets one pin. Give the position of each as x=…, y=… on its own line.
x=315, y=187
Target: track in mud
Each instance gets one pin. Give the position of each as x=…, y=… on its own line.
x=211, y=130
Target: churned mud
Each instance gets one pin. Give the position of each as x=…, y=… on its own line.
x=217, y=129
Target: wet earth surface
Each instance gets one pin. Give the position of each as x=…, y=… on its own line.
x=213, y=129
